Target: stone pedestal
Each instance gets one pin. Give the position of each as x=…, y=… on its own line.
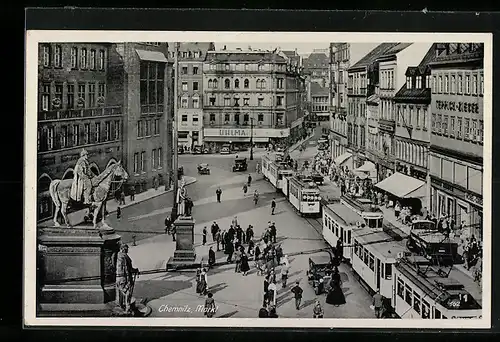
x=184, y=255
x=77, y=268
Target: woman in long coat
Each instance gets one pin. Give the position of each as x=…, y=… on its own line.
x=244, y=264
x=335, y=295
x=202, y=285
x=210, y=307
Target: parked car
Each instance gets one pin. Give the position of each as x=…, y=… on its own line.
x=197, y=150
x=226, y=149
x=207, y=150
x=319, y=273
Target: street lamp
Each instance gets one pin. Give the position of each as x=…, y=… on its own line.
x=251, y=138
x=174, y=134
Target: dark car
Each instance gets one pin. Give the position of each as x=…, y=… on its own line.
x=317, y=178
x=319, y=273
x=197, y=150
x=240, y=164
x=203, y=169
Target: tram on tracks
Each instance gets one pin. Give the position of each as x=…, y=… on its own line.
x=304, y=195
x=423, y=291
x=276, y=171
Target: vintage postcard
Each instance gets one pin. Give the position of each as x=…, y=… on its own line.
x=222, y=179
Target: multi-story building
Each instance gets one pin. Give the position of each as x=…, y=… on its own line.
x=412, y=134
x=249, y=94
x=75, y=112
x=190, y=93
x=357, y=93
x=342, y=56
x=457, y=132
x=392, y=66
x=141, y=77
x=316, y=68
x=319, y=102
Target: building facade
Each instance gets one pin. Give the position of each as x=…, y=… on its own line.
x=74, y=112
x=316, y=68
x=249, y=94
x=392, y=68
x=457, y=133
x=342, y=57
x=142, y=77
x=319, y=102
x=190, y=107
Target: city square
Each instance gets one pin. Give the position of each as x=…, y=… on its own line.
x=335, y=155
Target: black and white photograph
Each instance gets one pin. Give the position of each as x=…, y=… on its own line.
x=221, y=179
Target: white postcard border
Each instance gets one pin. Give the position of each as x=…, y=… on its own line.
x=34, y=37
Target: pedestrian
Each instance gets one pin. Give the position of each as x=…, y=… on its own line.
x=118, y=213
x=218, y=192
x=210, y=307
x=245, y=189
x=249, y=179
x=214, y=229
x=255, y=197
x=211, y=257
x=273, y=206
x=284, y=275
x=266, y=290
x=122, y=198
x=378, y=304
x=257, y=168
x=218, y=239
x=317, y=310
x=229, y=250
x=234, y=223
x=223, y=239
x=249, y=233
x=167, y=225
x=204, y=235
x=251, y=246
x=245, y=267
x=279, y=254
x=297, y=291
x=273, y=232
x=173, y=231
x=237, y=259
x=132, y=193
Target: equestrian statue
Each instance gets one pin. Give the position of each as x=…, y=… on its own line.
x=85, y=187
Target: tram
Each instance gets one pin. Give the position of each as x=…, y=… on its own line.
x=265, y=161
x=422, y=291
x=304, y=195
x=374, y=255
x=425, y=240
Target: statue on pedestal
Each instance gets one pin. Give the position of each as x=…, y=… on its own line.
x=125, y=279
x=84, y=187
x=181, y=199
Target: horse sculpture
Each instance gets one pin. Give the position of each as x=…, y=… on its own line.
x=60, y=192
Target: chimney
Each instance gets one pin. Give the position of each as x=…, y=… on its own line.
x=224, y=48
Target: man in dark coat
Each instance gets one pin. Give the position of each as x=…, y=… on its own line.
x=218, y=192
x=273, y=206
x=211, y=257
x=214, y=229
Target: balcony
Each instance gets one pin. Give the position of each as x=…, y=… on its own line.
x=63, y=114
x=387, y=125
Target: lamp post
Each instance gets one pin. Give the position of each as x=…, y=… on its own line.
x=174, y=134
x=251, y=138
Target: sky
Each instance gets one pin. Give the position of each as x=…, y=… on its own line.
x=302, y=48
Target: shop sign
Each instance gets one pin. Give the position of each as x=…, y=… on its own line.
x=458, y=192
x=246, y=132
x=459, y=106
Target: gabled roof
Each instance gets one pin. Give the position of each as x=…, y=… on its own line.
x=413, y=95
x=378, y=51
x=316, y=60
x=318, y=90
x=193, y=46
x=423, y=68
x=261, y=56
x=396, y=49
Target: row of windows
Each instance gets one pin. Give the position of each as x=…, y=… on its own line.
x=236, y=102
x=156, y=161
x=194, y=70
x=80, y=58
x=457, y=172
x=147, y=128
x=246, y=67
x=335, y=229
x=186, y=54
x=341, y=55
x=194, y=86
x=152, y=87
x=462, y=83
x=387, y=79
x=412, y=153
x=50, y=138
x=412, y=298
x=357, y=83
x=364, y=255
x=459, y=128
x=357, y=109
x=416, y=82
x=380, y=142
x=246, y=118
x=195, y=102
x=152, y=43
x=387, y=109
x=69, y=95
x=259, y=84
x=352, y=135
x=412, y=116
x=184, y=119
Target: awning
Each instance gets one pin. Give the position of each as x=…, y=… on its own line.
x=403, y=186
x=152, y=56
x=342, y=158
x=367, y=167
x=235, y=139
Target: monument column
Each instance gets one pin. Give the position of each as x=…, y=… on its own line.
x=184, y=255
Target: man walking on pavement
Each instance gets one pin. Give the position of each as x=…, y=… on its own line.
x=204, y=235
x=218, y=192
x=273, y=232
x=273, y=206
x=218, y=239
x=249, y=179
x=378, y=304
x=214, y=230
x=297, y=291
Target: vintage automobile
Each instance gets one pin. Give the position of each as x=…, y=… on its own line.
x=207, y=150
x=226, y=149
x=197, y=150
x=240, y=164
x=317, y=178
x=203, y=169
x=319, y=273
